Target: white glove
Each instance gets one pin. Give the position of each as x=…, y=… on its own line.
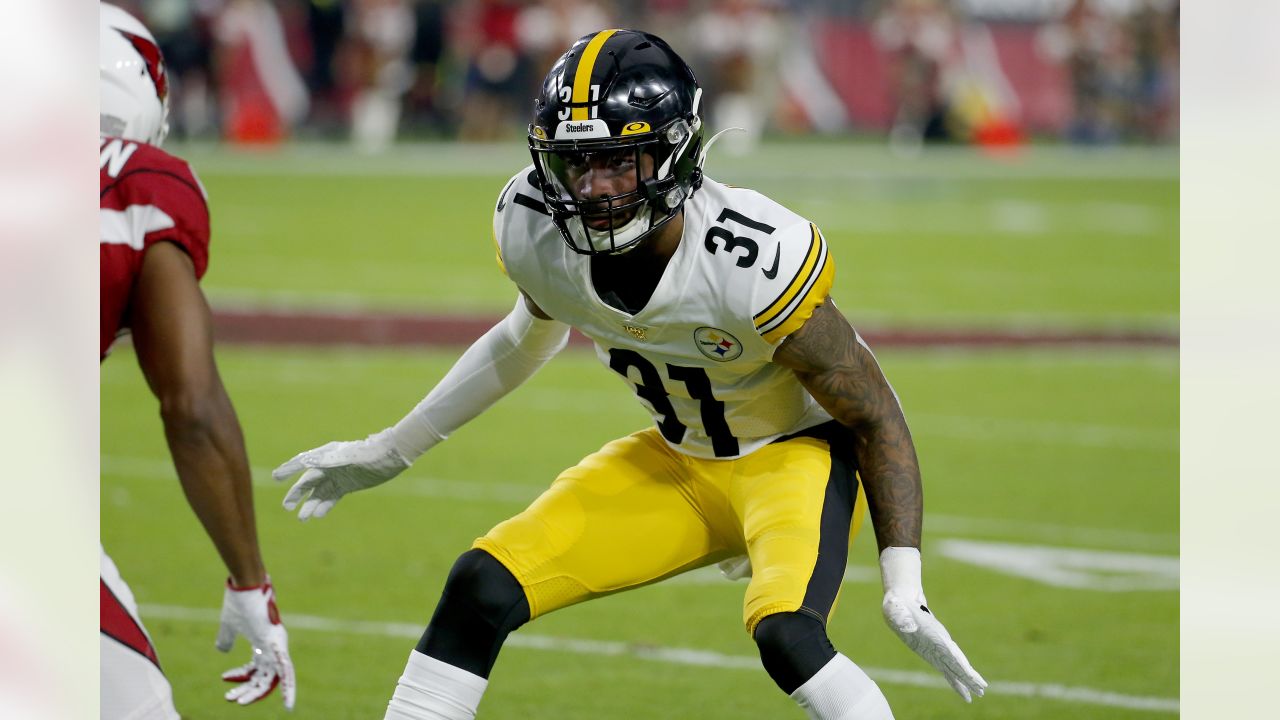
x=338, y=468
x=252, y=612
x=907, y=614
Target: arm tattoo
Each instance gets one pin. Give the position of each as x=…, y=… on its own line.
x=844, y=377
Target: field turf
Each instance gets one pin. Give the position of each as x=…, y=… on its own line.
x=1051, y=480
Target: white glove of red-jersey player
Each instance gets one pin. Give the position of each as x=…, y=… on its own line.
x=908, y=615
x=338, y=468
x=252, y=612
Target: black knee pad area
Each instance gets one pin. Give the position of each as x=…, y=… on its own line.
x=481, y=604
x=793, y=647
x=488, y=589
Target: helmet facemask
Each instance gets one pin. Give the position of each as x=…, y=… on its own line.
x=663, y=171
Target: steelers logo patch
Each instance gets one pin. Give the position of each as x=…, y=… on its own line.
x=717, y=344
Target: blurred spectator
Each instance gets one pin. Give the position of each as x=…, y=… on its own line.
x=947, y=77
x=545, y=29
x=742, y=40
x=425, y=104
x=809, y=100
x=1154, y=33
x=668, y=19
x=184, y=32
x=260, y=91
x=1171, y=61
x=495, y=92
x=468, y=68
x=1088, y=42
x=982, y=107
x=326, y=22
x=918, y=35
x=382, y=31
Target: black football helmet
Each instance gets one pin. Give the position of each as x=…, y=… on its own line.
x=613, y=98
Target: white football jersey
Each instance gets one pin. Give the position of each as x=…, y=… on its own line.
x=747, y=273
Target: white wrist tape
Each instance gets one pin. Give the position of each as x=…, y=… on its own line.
x=900, y=570
x=510, y=353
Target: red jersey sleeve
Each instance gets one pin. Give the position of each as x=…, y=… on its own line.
x=147, y=196
x=158, y=198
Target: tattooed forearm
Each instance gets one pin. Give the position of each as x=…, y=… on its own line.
x=844, y=377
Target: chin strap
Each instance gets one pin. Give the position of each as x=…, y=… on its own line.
x=627, y=235
x=702, y=157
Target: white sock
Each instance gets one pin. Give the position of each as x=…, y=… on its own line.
x=434, y=690
x=842, y=691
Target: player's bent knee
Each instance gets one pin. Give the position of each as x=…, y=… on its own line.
x=482, y=602
x=793, y=647
x=490, y=590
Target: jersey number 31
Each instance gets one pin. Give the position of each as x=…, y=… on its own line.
x=650, y=388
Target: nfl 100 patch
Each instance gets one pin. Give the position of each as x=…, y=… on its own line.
x=717, y=344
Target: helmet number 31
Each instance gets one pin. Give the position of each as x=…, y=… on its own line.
x=566, y=97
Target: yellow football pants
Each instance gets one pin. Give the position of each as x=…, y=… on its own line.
x=637, y=511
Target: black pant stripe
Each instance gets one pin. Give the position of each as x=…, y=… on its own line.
x=838, y=507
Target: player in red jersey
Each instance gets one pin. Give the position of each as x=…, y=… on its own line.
x=154, y=249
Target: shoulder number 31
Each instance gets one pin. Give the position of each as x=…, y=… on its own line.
x=718, y=236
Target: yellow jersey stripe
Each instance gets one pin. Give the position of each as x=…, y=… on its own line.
x=582, y=77
x=812, y=297
x=766, y=316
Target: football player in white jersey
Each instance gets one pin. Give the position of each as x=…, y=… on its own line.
x=773, y=424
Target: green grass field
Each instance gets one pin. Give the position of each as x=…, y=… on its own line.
x=1059, y=240
x=1051, y=476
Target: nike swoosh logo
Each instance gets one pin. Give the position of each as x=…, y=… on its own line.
x=502, y=199
x=772, y=272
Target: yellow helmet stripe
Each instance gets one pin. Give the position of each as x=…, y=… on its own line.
x=582, y=77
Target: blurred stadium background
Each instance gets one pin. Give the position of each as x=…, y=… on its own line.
x=373, y=71
x=999, y=182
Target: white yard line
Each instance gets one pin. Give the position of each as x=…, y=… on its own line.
x=683, y=656
x=1098, y=570
x=415, y=485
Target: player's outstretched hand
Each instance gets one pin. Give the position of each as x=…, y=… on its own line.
x=338, y=468
x=252, y=612
x=908, y=615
